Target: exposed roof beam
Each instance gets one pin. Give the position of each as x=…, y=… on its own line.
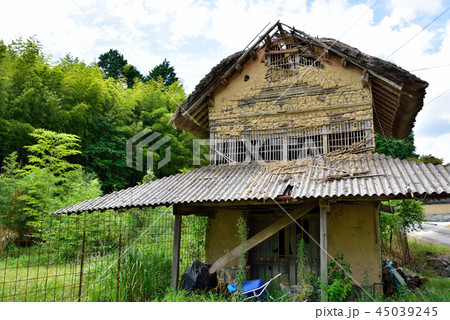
x=326, y=47
x=230, y=70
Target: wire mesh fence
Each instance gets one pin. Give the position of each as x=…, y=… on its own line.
x=100, y=256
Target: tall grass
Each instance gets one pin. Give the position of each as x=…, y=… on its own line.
x=144, y=276
x=172, y=295
x=51, y=268
x=26, y=275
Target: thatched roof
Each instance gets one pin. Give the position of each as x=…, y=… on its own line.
x=188, y=122
x=381, y=67
x=397, y=94
x=398, y=85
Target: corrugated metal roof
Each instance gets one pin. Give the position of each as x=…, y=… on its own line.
x=338, y=176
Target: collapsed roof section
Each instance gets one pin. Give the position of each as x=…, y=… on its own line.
x=397, y=94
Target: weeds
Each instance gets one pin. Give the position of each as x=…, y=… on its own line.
x=242, y=235
x=303, y=273
x=339, y=286
x=172, y=295
x=144, y=276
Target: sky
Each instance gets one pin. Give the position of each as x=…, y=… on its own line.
x=196, y=35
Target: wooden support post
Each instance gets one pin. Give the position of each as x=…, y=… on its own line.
x=263, y=235
x=323, y=250
x=176, y=251
x=325, y=139
x=248, y=147
x=286, y=250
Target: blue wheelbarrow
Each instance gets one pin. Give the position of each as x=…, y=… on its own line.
x=254, y=289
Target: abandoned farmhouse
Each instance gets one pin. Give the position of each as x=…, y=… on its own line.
x=291, y=122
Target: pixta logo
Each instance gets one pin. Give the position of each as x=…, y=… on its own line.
x=147, y=139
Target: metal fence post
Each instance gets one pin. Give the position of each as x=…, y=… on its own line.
x=82, y=263
x=176, y=250
x=118, y=267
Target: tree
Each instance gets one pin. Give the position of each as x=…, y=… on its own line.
x=51, y=150
x=131, y=74
x=47, y=183
x=428, y=159
x=12, y=217
x=153, y=109
x=115, y=66
x=28, y=97
x=112, y=63
x=106, y=156
x=50, y=181
x=408, y=216
x=164, y=71
x=401, y=149
x=76, y=98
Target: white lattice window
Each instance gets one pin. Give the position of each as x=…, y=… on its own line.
x=290, y=143
x=284, y=61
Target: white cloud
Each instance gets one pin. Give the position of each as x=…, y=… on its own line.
x=435, y=145
x=410, y=9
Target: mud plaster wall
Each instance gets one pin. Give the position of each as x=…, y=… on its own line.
x=327, y=94
x=354, y=229
x=436, y=208
x=221, y=234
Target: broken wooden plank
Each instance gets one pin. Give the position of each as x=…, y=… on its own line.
x=292, y=50
x=263, y=235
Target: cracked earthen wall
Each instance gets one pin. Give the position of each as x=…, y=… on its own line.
x=240, y=105
x=352, y=229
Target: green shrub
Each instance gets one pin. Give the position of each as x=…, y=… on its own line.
x=339, y=286
x=193, y=231
x=408, y=214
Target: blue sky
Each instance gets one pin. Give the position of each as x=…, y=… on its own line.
x=195, y=35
